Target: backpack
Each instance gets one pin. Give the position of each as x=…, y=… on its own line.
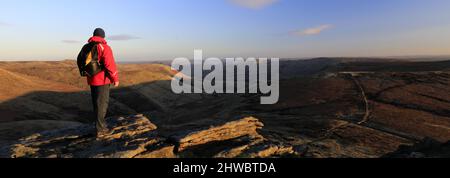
x=88, y=62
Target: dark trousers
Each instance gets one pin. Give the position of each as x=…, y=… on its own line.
x=100, y=100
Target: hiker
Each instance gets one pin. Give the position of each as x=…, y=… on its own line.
x=96, y=62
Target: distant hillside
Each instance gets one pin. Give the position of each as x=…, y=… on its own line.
x=328, y=107
x=297, y=68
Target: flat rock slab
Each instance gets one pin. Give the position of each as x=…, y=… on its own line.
x=131, y=137
x=230, y=130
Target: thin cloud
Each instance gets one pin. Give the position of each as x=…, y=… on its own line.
x=253, y=4
x=312, y=31
x=123, y=37
x=3, y=24
x=70, y=41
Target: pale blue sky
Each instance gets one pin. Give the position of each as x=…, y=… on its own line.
x=165, y=29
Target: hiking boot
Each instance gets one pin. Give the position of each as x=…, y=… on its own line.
x=104, y=133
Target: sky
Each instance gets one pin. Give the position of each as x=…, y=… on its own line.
x=145, y=30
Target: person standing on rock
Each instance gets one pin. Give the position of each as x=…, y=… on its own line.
x=96, y=62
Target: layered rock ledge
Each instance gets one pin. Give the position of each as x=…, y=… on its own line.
x=137, y=137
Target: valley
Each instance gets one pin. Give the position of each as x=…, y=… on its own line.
x=328, y=108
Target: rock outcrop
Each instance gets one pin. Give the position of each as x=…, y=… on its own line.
x=427, y=148
x=231, y=130
x=131, y=138
x=137, y=137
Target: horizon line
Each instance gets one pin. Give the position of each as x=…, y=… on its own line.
x=284, y=58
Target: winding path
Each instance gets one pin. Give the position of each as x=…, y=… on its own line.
x=363, y=95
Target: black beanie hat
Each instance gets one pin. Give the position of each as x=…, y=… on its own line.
x=99, y=32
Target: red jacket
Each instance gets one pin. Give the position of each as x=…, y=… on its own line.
x=106, y=57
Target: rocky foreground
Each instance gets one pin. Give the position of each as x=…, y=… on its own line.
x=138, y=137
